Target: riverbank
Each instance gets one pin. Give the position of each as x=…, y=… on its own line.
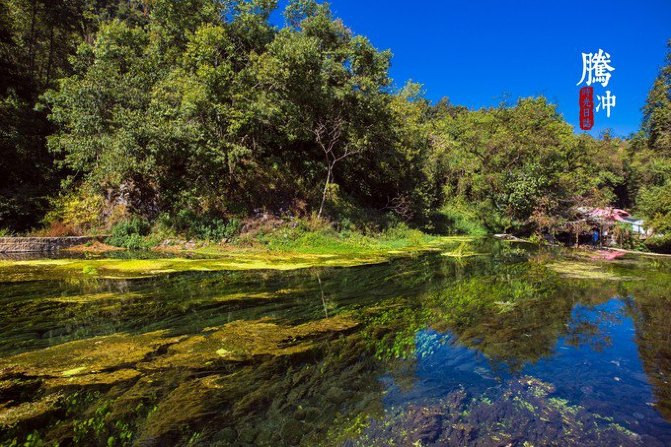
x=280, y=250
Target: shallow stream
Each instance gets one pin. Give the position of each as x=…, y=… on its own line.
x=499, y=345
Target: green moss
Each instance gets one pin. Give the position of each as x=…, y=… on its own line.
x=241, y=259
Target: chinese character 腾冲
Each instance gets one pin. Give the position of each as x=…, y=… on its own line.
x=596, y=68
x=605, y=102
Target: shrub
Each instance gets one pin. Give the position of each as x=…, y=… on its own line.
x=198, y=226
x=659, y=243
x=215, y=230
x=461, y=219
x=130, y=234
x=623, y=235
x=74, y=213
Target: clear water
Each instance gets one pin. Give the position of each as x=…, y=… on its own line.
x=490, y=350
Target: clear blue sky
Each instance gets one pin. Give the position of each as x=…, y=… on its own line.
x=479, y=52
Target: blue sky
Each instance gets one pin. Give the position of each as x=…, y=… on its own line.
x=479, y=52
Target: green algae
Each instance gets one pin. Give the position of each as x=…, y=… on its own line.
x=243, y=340
x=39, y=269
x=83, y=357
x=29, y=411
x=142, y=362
x=462, y=251
x=586, y=270
x=93, y=297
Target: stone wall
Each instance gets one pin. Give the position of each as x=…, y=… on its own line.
x=41, y=244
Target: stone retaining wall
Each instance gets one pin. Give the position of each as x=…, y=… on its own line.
x=42, y=244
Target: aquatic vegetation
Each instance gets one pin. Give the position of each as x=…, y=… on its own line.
x=80, y=358
x=585, y=270
x=424, y=349
x=243, y=259
x=115, y=360
x=243, y=340
x=463, y=250
x=29, y=411
x=519, y=413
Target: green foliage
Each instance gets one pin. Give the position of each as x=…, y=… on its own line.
x=512, y=165
x=81, y=210
x=317, y=236
x=91, y=427
x=657, y=110
x=659, y=243
x=462, y=219
x=655, y=203
x=217, y=116
x=205, y=108
x=130, y=234
x=214, y=229
x=204, y=227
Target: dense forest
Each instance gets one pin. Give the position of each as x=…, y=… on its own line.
x=194, y=113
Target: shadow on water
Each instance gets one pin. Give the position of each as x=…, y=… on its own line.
x=494, y=345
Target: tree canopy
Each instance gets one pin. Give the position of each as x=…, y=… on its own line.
x=205, y=108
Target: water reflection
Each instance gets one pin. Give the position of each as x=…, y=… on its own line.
x=593, y=375
x=484, y=350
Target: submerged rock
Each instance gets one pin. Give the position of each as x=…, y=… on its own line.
x=521, y=413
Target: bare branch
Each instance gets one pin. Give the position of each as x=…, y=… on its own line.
x=329, y=137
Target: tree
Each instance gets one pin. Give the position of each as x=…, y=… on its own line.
x=653, y=159
x=329, y=137
x=657, y=110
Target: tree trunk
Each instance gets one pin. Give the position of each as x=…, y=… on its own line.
x=326, y=185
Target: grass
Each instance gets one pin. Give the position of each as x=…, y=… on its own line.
x=323, y=242
x=322, y=239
